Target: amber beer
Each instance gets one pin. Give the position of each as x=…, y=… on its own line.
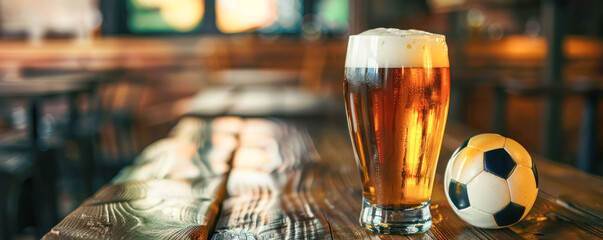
x=397, y=130
x=396, y=90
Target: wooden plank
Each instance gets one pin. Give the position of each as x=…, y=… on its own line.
x=192, y=188
x=142, y=219
x=266, y=198
x=172, y=191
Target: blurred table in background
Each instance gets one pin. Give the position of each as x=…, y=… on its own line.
x=215, y=52
x=242, y=77
x=258, y=101
x=98, y=54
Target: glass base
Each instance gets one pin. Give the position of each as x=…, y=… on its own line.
x=395, y=220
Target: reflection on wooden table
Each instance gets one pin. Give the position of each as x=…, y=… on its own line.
x=239, y=178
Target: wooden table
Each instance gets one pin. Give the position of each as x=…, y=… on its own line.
x=252, y=76
x=258, y=101
x=232, y=178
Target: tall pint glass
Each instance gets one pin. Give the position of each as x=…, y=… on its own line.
x=396, y=90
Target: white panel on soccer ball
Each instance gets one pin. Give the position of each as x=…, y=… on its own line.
x=529, y=207
x=456, y=151
x=522, y=187
x=477, y=218
x=447, y=176
x=447, y=169
x=519, y=154
x=467, y=164
x=487, y=141
x=488, y=192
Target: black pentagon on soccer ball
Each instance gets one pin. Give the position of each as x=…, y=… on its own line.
x=458, y=194
x=535, y=173
x=499, y=163
x=509, y=214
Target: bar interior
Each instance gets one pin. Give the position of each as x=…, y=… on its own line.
x=225, y=119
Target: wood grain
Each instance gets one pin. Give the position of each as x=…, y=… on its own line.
x=172, y=191
x=142, y=219
x=266, y=199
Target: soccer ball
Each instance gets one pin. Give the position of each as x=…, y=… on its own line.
x=491, y=181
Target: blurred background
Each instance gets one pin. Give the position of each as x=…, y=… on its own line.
x=85, y=85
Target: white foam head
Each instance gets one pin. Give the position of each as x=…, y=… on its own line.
x=395, y=48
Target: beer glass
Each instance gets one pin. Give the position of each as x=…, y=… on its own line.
x=396, y=90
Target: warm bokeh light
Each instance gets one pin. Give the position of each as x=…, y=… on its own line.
x=183, y=15
x=234, y=16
